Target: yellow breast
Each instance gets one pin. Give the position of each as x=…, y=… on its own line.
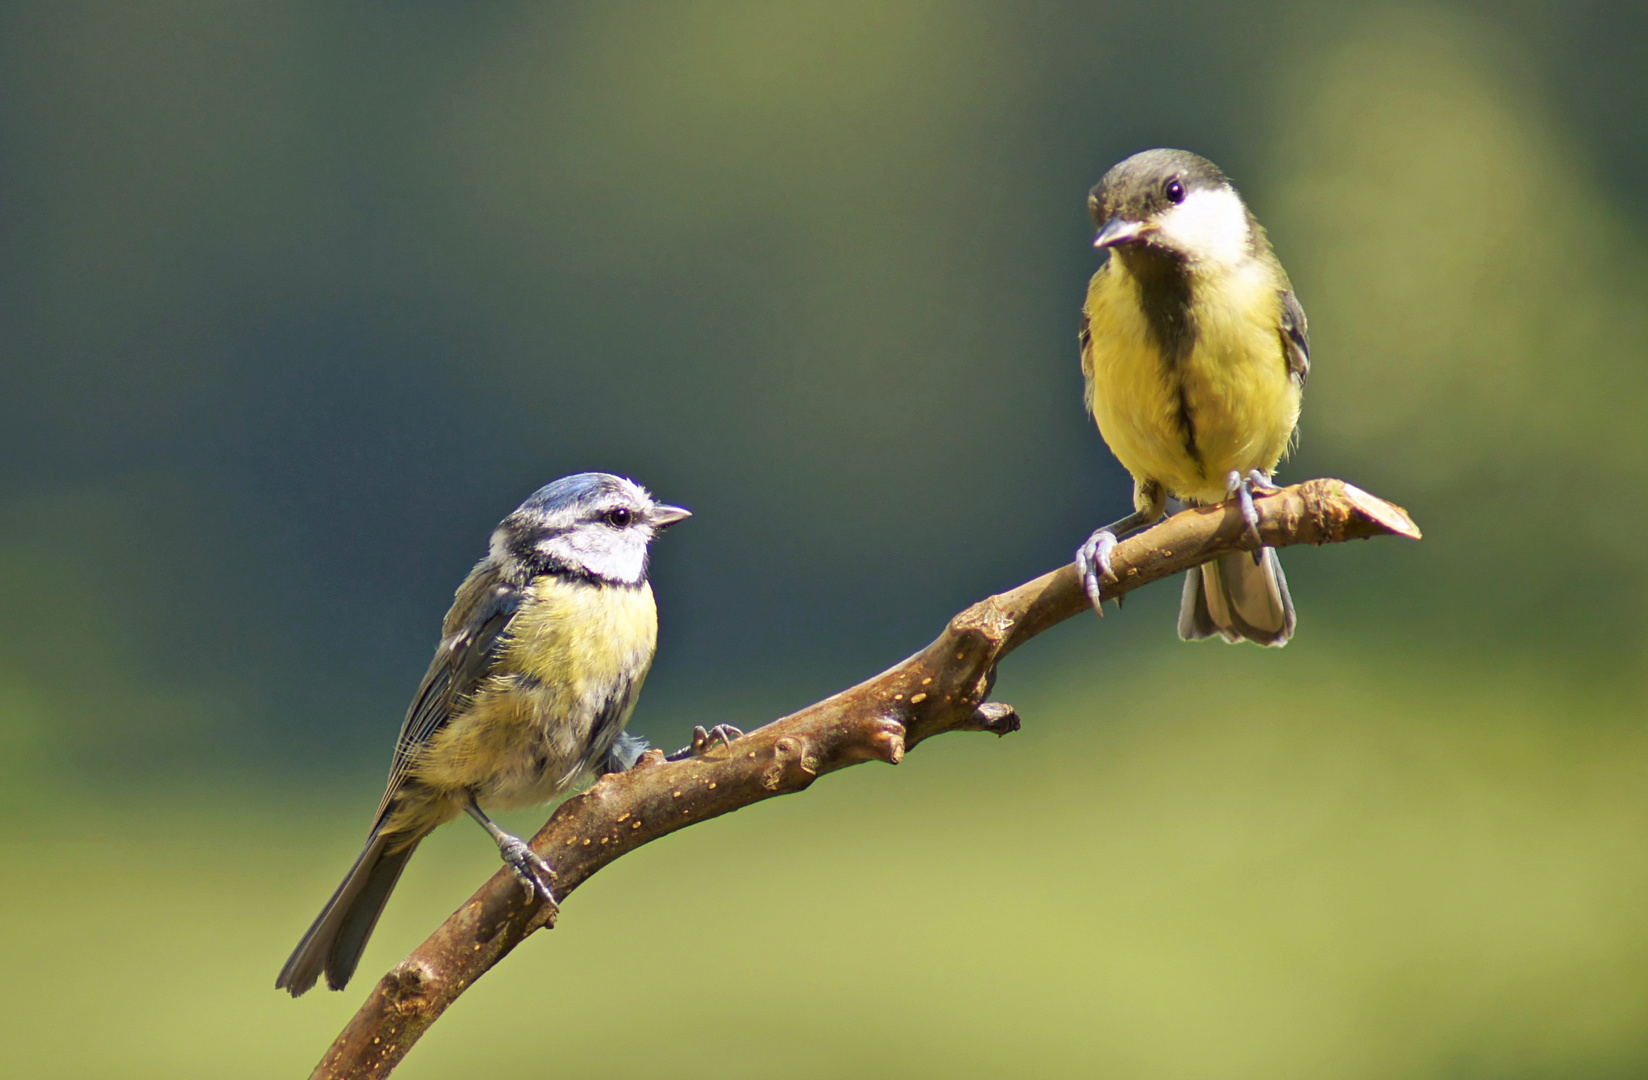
x=1229, y=404
x=582, y=637
x=569, y=672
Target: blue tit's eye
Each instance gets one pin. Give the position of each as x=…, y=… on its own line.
x=619, y=517
x=1175, y=191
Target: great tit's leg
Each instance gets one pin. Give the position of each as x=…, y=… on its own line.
x=534, y=873
x=703, y=741
x=1242, y=491
x=1093, y=557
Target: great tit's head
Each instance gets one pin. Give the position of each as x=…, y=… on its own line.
x=1174, y=202
x=591, y=524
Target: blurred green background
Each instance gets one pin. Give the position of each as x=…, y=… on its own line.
x=297, y=300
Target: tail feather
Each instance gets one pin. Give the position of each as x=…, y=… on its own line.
x=337, y=937
x=1241, y=601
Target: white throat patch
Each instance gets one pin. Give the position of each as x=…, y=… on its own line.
x=1210, y=226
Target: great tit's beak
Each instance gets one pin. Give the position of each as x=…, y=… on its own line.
x=1119, y=231
x=662, y=517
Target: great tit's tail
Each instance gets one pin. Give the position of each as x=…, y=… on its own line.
x=338, y=935
x=1238, y=599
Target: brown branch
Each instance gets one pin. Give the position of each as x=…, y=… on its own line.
x=942, y=688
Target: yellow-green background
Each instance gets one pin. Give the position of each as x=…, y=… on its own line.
x=297, y=300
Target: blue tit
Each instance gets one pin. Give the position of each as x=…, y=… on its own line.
x=1195, y=352
x=540, y=662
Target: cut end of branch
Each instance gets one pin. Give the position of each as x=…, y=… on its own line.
x=1386, y=516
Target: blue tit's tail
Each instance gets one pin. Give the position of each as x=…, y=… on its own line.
x=338, y=936
x=1238, y=599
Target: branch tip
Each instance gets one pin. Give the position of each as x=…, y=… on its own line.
x=1387, y=515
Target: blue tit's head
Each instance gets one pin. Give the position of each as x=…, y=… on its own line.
x=592, y=525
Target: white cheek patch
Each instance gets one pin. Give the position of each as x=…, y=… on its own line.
x=1210, y=225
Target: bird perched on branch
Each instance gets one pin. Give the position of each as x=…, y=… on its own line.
x=1195, y=351
x=540, y=663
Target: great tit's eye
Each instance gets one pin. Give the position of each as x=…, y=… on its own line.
x=619, y=517
x=1175, y=191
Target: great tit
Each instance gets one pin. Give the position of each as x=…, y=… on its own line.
x=1195, y=351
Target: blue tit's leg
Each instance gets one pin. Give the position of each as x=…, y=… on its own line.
x=703, y=741
x=1093, y=557
x=534, y=873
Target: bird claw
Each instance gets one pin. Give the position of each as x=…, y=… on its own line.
x=534, y=873
x=1093, y=564
x=1241, y=489
x=1261, y=483
x=705, y=741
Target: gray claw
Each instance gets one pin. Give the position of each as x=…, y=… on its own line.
x=1261, y=483
x=704, y=741
x=1093, y=563
x=534, y=873
x=726, y=733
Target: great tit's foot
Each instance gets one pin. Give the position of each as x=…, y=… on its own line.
x=704, y=741
x=1258, y=481
x=534, y=873
x=1240, y=489
x=1093, y=564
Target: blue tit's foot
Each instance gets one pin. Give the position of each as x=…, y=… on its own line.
x=704, y=741
x=535, y=874
x=1242, y=491
x=1093, y=564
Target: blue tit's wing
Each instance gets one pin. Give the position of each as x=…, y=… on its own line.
x=609, y=747
x=1295, y=338
x=462, y=661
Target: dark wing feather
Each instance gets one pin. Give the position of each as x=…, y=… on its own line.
x=1295, y=338
x=1084, y=339
x=463, y=659
x=611, y=749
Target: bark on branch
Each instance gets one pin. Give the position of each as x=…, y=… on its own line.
x=942, y=688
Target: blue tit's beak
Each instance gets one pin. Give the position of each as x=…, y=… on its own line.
x=1119, y=231
x=662, y=517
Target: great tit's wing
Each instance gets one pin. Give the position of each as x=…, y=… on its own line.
x=1084, y=339
x=462, y=661
x=1295, y=338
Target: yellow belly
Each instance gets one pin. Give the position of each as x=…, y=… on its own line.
x=574, y=653
x=1234, y=386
